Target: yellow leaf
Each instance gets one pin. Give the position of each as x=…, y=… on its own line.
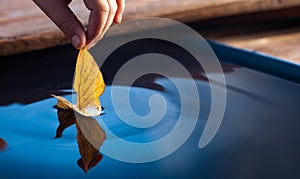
x=88, y=84
x=63, y=103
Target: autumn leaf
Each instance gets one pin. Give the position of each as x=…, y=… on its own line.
x=88, y=84
x=62, y=103
x=3, y=144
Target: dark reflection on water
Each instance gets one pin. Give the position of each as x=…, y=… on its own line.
x=90, y=155
x=66, y=119
x=258, y=138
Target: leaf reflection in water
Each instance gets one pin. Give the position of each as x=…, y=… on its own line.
x=88, y=146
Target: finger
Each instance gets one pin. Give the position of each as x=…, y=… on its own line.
x=113, y=9
x=97, y=19
x=59, y=12
x=120, y=11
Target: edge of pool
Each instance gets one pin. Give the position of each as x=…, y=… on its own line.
x=257, y=61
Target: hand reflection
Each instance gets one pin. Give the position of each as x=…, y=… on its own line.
x=90, y=155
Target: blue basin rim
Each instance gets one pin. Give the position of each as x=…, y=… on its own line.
x=257, y=61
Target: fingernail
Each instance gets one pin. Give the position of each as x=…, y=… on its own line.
x=76, y=41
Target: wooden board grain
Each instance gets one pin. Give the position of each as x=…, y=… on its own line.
x=283, y=44
x=24, y=27
x=275, y=33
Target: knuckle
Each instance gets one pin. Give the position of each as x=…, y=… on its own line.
x=104, y=7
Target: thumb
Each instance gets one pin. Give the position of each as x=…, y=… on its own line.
x=59, y=12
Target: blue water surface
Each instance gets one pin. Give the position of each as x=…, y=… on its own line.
x=259, y=135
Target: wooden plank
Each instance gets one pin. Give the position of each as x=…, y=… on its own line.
x=275, y=33
x=23, y=27
x=283, y=44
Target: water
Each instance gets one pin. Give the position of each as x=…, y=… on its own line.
x=258, y=137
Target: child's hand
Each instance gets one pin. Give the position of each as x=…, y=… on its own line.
x=102, y=14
